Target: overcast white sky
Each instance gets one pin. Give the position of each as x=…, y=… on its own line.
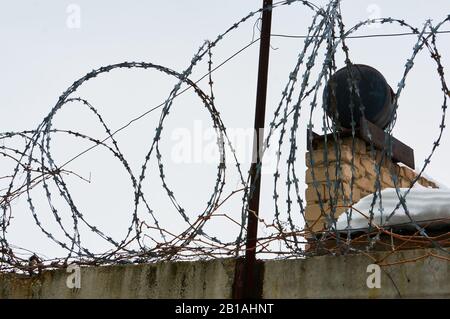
x=41, y=56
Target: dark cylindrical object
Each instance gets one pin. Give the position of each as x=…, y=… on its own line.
x=375, y=95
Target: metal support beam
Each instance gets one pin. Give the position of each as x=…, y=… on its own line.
x=400, y=152
x=249, y=285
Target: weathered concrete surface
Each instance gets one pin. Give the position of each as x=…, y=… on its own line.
x=318, y=277
x=346, y=276
x=201, y=279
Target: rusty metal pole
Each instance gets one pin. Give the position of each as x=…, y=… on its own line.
x=251, y=284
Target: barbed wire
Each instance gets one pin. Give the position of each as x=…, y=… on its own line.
x=35, y=166
x=363, y=36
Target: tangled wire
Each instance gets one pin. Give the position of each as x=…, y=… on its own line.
x=327, y=32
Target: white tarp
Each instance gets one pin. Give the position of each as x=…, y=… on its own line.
x=424, y=204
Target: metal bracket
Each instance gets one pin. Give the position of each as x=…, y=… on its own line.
x=370, y=133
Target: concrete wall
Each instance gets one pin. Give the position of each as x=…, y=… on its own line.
x=318, y=277
x=211, y=279
x=346, y=276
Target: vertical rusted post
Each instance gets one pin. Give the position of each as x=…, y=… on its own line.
x=251, y=285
